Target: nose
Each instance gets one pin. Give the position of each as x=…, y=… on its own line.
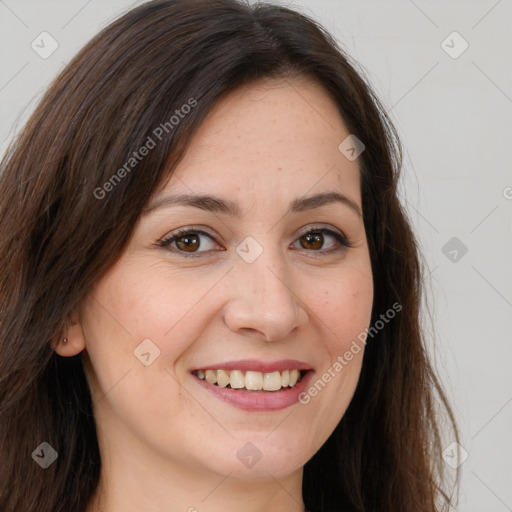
x=264, y=300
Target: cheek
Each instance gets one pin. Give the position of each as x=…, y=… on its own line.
x=344, y=308
x=134, y=304
x=136, y=316
x=130, y=320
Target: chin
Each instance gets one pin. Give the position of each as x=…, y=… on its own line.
x=264, y=455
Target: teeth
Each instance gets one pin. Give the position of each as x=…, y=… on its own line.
x=236, y=379
x=253, y=381
x=211, y=376
x=294, y=376
x=222, y=378
x=272, y=381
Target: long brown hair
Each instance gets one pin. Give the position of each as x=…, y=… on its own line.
x=59, y=234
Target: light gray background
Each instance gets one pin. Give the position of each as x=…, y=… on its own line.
x=454, y=117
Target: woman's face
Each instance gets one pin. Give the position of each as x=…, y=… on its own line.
x=243, y=291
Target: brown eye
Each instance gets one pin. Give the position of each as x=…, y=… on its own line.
x=188, y=243
x=312, y=240
x=194, y=242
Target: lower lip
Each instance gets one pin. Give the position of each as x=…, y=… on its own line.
x=259, y=400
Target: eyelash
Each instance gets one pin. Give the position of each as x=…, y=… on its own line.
x=343, y=241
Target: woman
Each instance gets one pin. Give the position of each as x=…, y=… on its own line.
x=210, y=291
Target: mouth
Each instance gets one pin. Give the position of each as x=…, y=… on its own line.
x=249, y=381
x=256, y=386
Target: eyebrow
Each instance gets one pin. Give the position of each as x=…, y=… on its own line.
x=232, y=208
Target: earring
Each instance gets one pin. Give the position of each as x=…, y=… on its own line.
x=65, y=340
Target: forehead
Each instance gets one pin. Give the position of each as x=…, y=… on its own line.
x=269, y=140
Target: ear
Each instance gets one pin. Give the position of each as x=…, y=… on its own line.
x=74, y=336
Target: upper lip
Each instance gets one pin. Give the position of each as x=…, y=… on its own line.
x=258, y=366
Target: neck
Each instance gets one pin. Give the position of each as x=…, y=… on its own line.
x=133, y=490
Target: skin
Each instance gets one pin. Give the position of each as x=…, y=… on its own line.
x=166, y=443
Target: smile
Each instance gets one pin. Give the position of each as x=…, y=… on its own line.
x=251, y=380
x=253, y=385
